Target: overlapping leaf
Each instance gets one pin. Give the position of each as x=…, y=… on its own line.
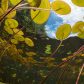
x=34, y=3
x=8, y=29
x=77, y=27
x=43, y=15
x=14, y=2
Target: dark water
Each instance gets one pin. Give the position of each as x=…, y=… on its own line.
x=14, y=72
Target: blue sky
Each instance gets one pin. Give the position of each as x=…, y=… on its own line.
x=56, y=20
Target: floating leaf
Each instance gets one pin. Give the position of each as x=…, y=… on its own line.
x=78, y=61
x=1, y=12
x=43, y=15
x=64, y=59
x=29, y=42
x=12, y=23
x=34, y=3
x=63, y=31
x=14, y=41
x=82, y=55
x=8, y=29
x=78, y=2
x=19, y=33
x=77, y=27
x=81, y=34
x=61, y=7
x=11, y=15
x=19, y=37
x=31, y=53
x=4, y=5
x=14, y=2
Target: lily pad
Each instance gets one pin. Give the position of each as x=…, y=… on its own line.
x=42, y=15
x=14, y=2
x=81, y=34
x=12, y=23
x=34, y=3
x=78, y=2
x=63, y=31
x=77, y=27
x=4, y=5
x=29, y=42
x=19, y=33
x=19, y=37
x=8, y=29
x=61, y=7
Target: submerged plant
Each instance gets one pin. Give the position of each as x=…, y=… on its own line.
x=40, y=12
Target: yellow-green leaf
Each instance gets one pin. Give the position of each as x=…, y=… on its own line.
x=11, y=15
x=14, y=41
x=30, y=53
x=14, y=2
x=1, y=12
x=78, y=2
x=4, y=5
x=12, y=23
x=81, y=34
x=61, y=7
x=19, y=33
x=29, y=42
x=77, y=27
x=43, y=15
x=19, y=37
x=34, y=3
x=8, y=29
x=63, y=31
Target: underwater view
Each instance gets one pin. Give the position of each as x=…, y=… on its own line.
x=32, y=51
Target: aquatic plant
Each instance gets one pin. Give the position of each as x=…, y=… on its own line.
x=40, y=11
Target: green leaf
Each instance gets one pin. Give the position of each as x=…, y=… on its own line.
x=4, y=5
x=61, y=7
x=19, y=37
x=14, y=2
x=77, y=27
x=78, y=2
x=34, y=3
x=29, y=42
x=12, y=23
x=63, y=31
x=43, y=15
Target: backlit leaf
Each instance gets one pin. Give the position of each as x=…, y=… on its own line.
x=29, y=42
x=14, y=2
x=12, y=23
x=63, y=31
x=77, y=27
x=4, y=4
x=31, y=53
x=81, y=34
x=19, y=37
x=11, y=15
x=64, y=59
x=1, y=12
x=8, y=29
x=61, y=7
x=43, y=15
x=78, y=2
x=34, y=3
x=19, y=33
x=14, y=41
